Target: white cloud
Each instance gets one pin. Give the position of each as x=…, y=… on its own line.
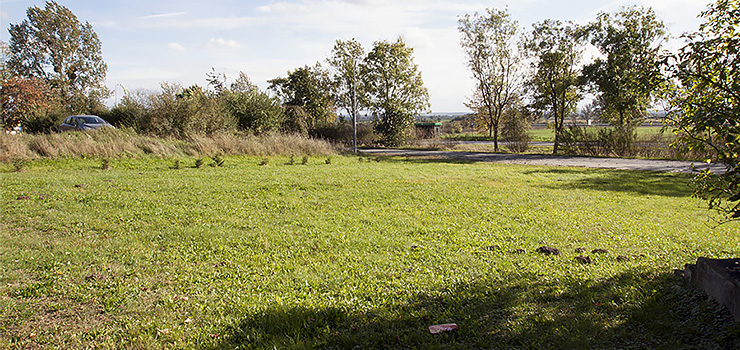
x=175, y=47
x=162, y=15
x=220, y=42
x=418, y=38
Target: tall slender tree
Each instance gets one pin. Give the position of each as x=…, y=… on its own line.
x=53, y=45
x=346, y=61
x=555, y=52
x=489, y=40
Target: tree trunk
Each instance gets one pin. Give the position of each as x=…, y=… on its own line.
x=495, y=137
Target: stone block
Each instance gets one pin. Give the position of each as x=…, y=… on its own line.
x=720, y=279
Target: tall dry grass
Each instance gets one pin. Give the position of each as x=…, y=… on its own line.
x=113, y=143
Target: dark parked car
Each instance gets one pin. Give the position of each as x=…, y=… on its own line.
x=83, y=122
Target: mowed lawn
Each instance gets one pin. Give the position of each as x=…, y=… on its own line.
x=352, y=254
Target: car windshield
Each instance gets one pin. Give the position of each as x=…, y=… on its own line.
x=91, y=120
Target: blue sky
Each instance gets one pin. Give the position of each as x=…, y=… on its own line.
x=149, y=42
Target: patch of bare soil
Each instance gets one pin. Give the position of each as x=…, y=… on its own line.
x=54, y=323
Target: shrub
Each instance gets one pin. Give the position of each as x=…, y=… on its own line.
x=255, y=111
x=514, y=130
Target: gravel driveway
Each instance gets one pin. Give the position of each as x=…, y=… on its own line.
x=550, y=160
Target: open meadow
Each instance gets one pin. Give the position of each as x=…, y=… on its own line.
x=341, y=252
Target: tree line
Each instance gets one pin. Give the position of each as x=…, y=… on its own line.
x=53, y=66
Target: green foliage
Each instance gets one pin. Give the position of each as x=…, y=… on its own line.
x=4, y=56
x=307, y=92
x=304, y=160
x=53, y=45
x=395, y=89
x=489, y=42
x=180, y=112
x=346, y=61
x=515, y=126
x=255, y=111
x=705, y=103
x=616, y=141
x=199, y=163
x=554, y=78
x=630, y=74
x=133, y=110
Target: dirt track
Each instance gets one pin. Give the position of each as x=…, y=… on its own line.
x=549, y=160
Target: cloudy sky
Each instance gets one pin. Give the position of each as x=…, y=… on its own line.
x=146, y=42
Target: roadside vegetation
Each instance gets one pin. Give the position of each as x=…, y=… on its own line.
x=126, y=143
x=266, y=252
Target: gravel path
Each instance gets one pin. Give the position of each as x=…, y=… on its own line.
x=549, y=160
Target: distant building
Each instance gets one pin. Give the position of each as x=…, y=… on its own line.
x=427, y=130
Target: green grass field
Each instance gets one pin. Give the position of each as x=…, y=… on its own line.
x=352, y=254
x=548, y=135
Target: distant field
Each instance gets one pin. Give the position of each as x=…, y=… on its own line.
x=548, y=135
x=352, y=254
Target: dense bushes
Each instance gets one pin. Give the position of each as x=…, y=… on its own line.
x=603, y=141
x=254, y=111
x=623, y=142
x=179, y=112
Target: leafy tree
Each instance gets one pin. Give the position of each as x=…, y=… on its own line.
x=346, y=60
x=253, y=110
x=394, y=87
x=52, y=45
x=629, y=75
x=554, y=79
x=705, y=103
x=23, y=99
x=309, y=89
x=4, y=56
x=489, y=42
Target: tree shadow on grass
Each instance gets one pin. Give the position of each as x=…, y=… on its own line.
x=636, y=182
x=631, y=310
x=422, y=160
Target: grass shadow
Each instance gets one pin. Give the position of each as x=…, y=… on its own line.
x=630, y=310
x=636, y=182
